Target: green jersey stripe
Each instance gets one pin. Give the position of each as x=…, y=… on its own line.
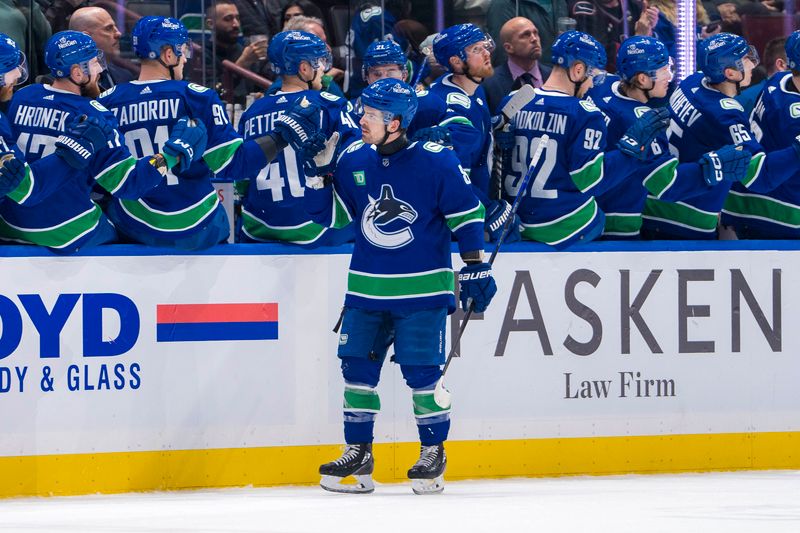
x=456, y=221
x=114, y=177
x=681, y=214
x=23, y=191
x=589, y=174
x=563, y=228
x=174, y=221
x=258, y=230
x=341, y=216
x=220, y=156
x=58, y=236
x=754, y=169
x=662, y=178
x=430, y=283
x=763, y=208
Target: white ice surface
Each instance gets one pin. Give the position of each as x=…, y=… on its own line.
x=752, y=502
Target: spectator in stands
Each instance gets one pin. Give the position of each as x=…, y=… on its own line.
x=603, y=20
x=665, y=29
x=15, y=20
x=299, y=8
x=316, y=27
x=223, y=19
x=542, y=13
x=101, y=28
x=258, y=17
x=774, y=61
x=520, y=39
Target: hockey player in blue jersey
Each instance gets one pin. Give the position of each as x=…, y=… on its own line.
x=407, y=200
x=434, y=121
x=646, y=71
x=774, y=123
x=40, y=115
x=29, y=184
x=705, y=117
x=560, y=208
x=465, y=51
x=273, y=207
x=185, y=212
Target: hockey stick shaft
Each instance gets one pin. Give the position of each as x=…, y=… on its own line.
x=543, y=140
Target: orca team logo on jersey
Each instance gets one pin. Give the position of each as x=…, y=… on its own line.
x=385, y=221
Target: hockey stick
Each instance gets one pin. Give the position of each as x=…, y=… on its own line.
x=440, y=394
x=520, y=99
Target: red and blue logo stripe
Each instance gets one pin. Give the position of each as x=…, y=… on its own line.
x=216, y=322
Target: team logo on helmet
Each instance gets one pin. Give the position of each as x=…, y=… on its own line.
x=385, y=222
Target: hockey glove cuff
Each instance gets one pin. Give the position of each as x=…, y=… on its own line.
x=497, y=214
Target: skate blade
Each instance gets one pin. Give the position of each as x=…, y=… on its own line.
x=428, y=486
x=363, y=484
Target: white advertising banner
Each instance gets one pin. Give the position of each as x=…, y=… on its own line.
x=147, y=353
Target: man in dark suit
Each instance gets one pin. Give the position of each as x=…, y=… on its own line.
x=103, y=30
x=520, y=41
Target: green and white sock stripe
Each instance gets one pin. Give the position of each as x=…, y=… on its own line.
x=661, y=178
x=756, y=206
x=589, y=174
x=754, y=169
x=397, y=286
x=58, y=236
x=563, y=228
x=680, y=214
x=220, y=156
x=173, y=221
x=361, y=399
x=258, y=230
x=113, y=178
x=425, y=405
x=623, y=224
x=25, y=187
x=456, y=221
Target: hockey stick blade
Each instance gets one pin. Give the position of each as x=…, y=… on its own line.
x=520, y=99
x=440, y=394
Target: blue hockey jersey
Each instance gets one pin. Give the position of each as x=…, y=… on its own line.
x=475, y=109
x=775, y=122
x=39, y=181
x=433, y=111
x=146, y=112
x=273, y=209
x=67, y=217
x=662, y=176
x=406, y=208
x=702, y=120
x=559, y=206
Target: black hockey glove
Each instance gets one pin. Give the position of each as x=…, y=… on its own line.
x=12, y=172
x=186, y=144
x=728, y=163
x=476, y=286
x=636, y=140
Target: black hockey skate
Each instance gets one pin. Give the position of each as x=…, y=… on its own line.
x=356, y=461
x=427, y=474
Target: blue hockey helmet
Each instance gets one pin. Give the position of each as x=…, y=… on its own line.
x=290, y=48
x=393, y=97
x=13, y=68
x=151, y=34
x=383, y=53
x=641, y=54
x=573, y=46
x=793, y=50
x=68, y=48
x=454, y=40
x=721, y=51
